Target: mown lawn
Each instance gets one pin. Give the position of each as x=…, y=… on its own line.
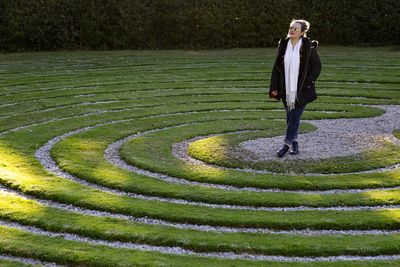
x=166, y=97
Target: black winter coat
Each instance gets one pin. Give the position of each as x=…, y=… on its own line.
x=310, y=68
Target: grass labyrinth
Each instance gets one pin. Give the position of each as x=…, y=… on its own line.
x=88, y=173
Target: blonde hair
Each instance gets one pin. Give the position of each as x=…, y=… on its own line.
x=305, y=25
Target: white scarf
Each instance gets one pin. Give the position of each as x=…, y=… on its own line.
x=292, y=66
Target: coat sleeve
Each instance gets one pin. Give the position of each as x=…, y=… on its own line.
x=274, y=84
x=274, y=79
x=315, y=66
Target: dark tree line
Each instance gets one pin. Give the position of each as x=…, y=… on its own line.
x=190, y=24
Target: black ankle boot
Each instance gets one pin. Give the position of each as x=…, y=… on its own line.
x=283, y=151
x=295, y=148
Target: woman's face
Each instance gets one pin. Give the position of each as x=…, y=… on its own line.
x=295, y=30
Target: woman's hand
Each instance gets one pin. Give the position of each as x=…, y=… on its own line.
x=273, y=94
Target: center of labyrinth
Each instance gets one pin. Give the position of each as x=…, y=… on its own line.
x=333, y=147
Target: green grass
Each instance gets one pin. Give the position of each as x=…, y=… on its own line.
x=72, y=152
x=30, y=213
x=77, y=254
x=153, y=152
x=197, y=93
x=224, y=150
x=10, y=263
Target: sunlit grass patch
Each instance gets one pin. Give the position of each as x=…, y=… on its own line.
x=224, y=150
x=168, y=97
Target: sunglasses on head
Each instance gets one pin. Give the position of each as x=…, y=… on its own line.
x=295, y=29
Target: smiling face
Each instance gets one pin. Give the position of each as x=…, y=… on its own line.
x=295, y=30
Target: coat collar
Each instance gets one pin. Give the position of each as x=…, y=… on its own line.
x=304, y=51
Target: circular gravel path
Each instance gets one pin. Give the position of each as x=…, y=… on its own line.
x=333, y=138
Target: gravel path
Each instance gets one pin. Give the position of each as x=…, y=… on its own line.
x=334, y=137
x=209, y=228
x=180, y=151
x=181, y=251
x=44, y=156
x=29, y=261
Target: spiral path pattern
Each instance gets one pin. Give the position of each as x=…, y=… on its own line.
x=167, y=158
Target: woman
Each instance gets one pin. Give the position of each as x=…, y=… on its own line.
x=296, y=69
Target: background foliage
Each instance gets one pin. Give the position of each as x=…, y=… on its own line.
x=191, y=24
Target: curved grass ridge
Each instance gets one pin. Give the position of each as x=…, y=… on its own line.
x=174, y=180
x=215, y=154
x=215, y=213
x=225, y=150
x=11, y=261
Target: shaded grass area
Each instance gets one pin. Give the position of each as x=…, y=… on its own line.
x=154, y=150
x=220, y=91
x=224, y=150
x=89, y=147
x=76, y=253
x=68, y=192
x=30, y=213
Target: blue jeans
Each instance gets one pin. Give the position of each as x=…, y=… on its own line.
x=293, y=123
